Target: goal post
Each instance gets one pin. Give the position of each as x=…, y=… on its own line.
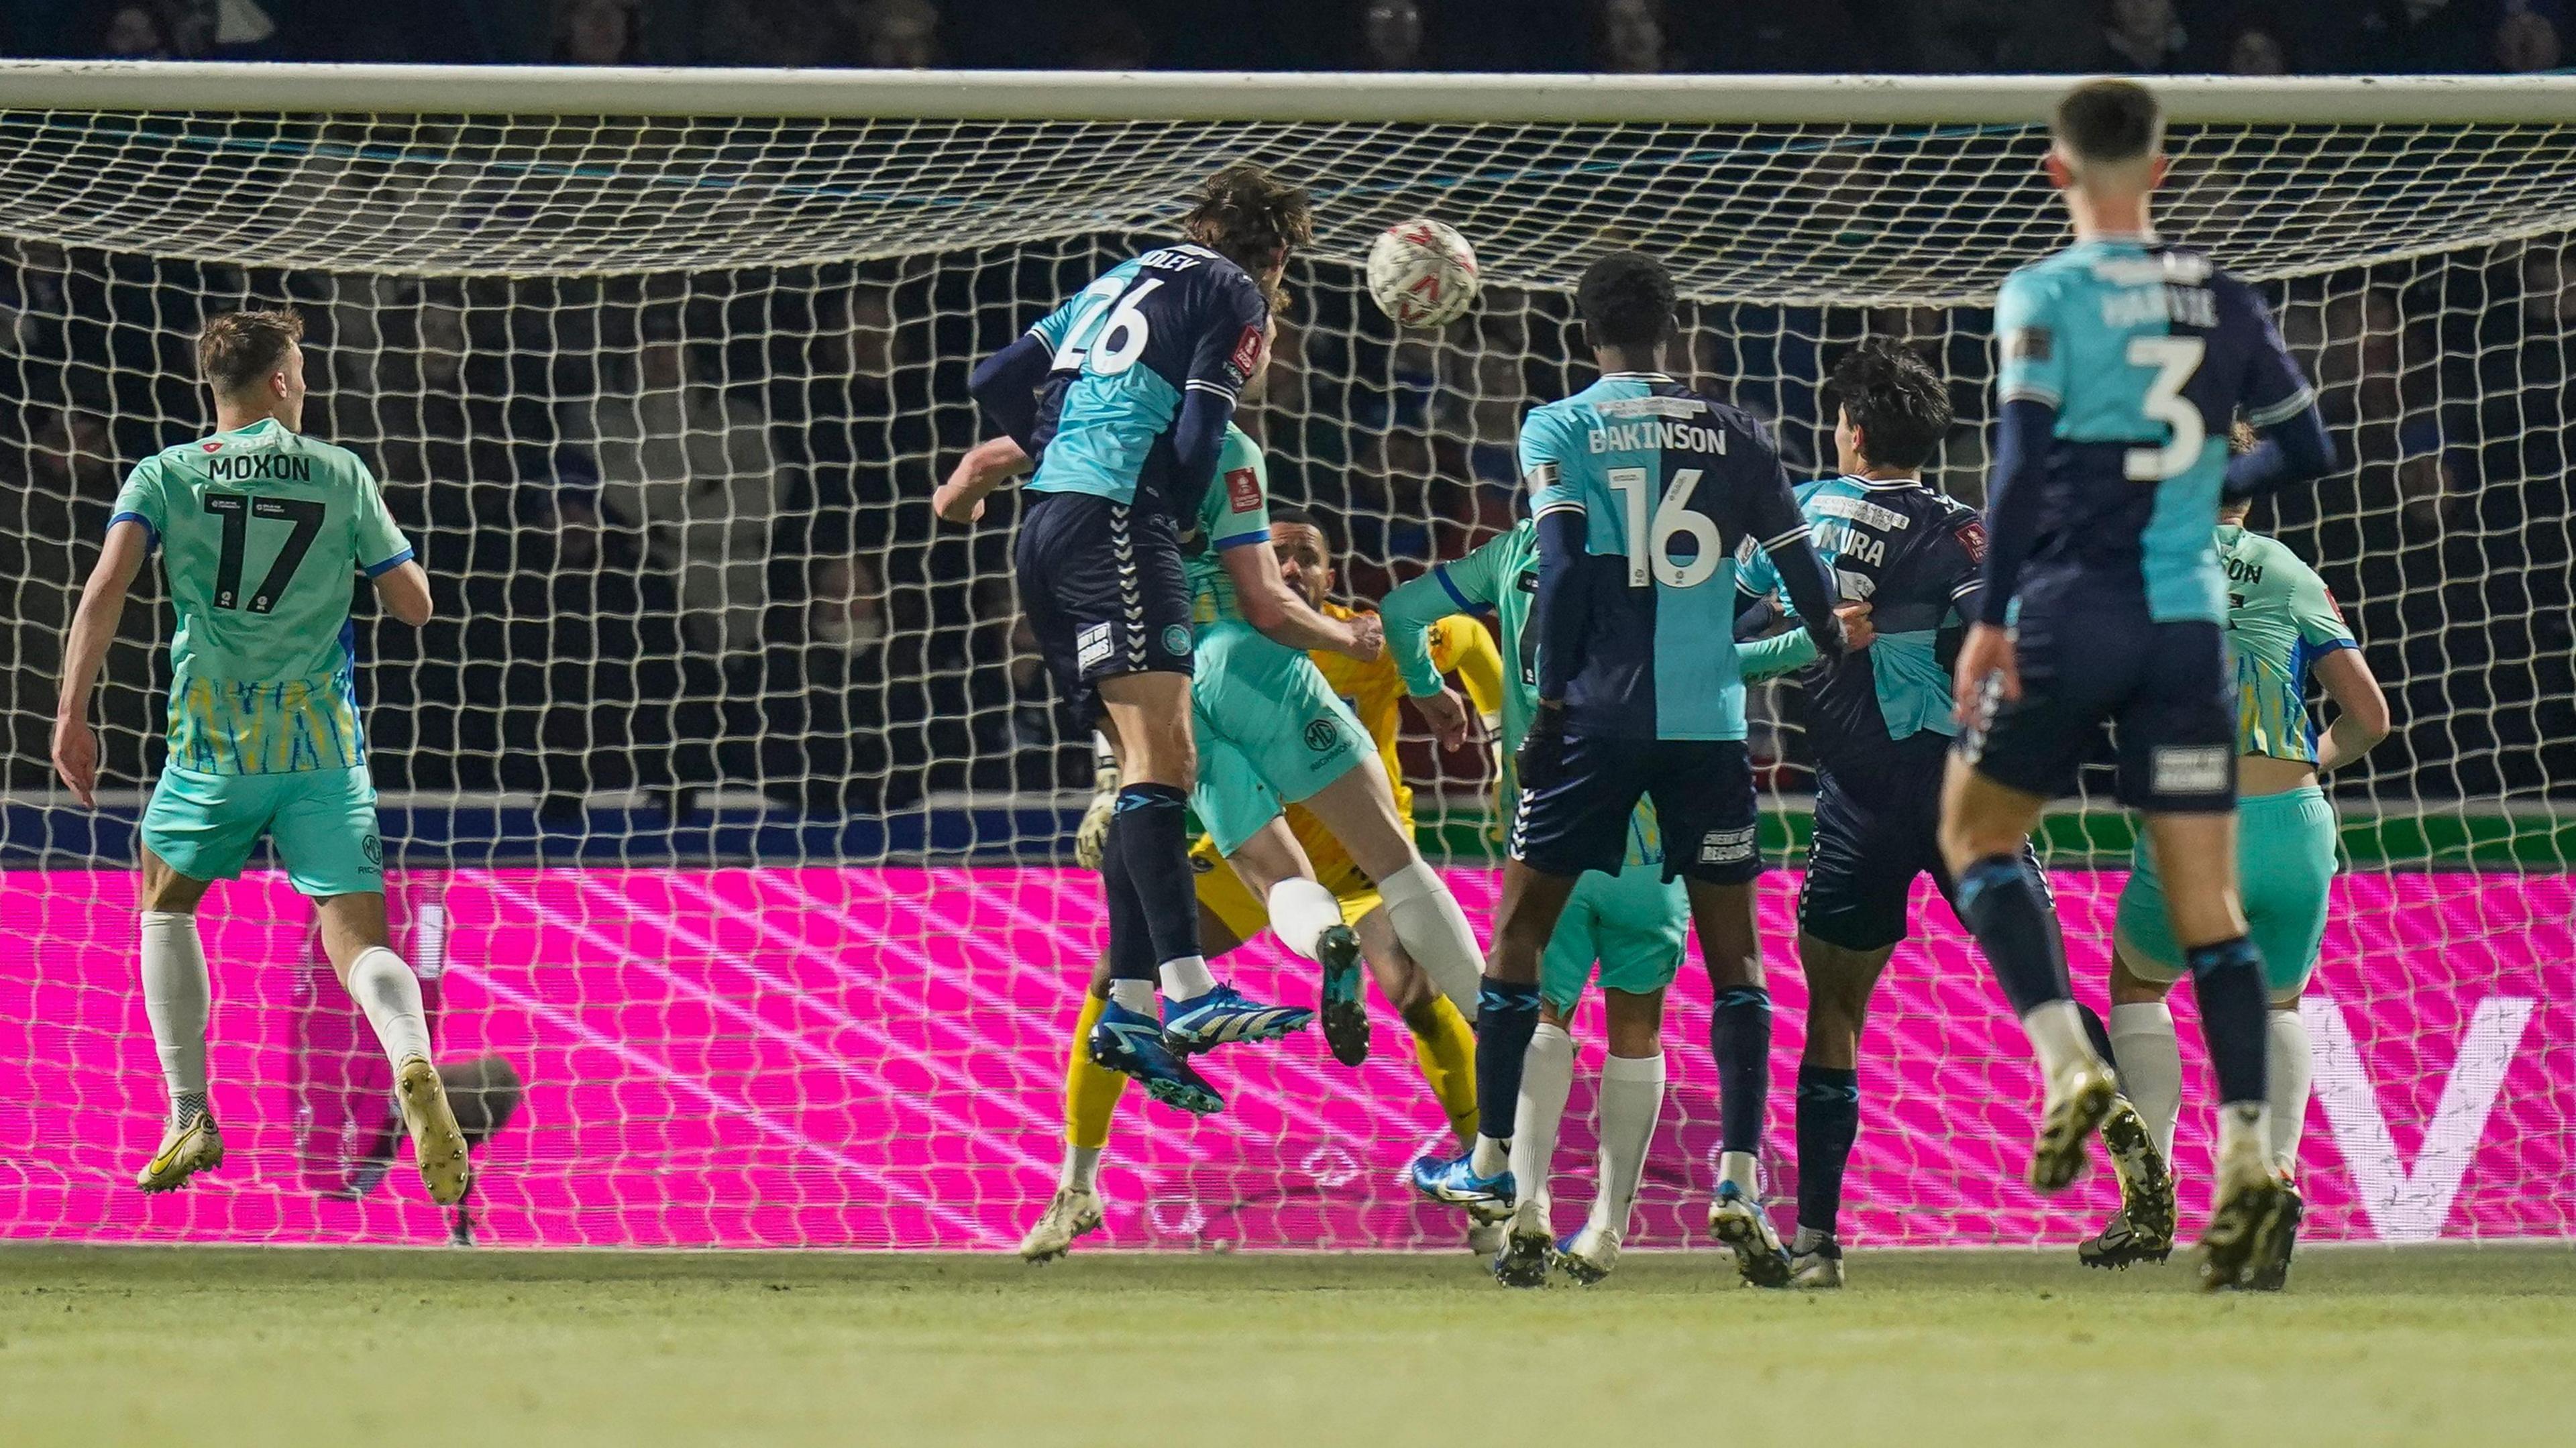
x=726, y=803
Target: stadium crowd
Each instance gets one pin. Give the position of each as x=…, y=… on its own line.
x=679, y=523
x=2245, y=37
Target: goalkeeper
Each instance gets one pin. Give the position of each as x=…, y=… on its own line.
x=1276, y=728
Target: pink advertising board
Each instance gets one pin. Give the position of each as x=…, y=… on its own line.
x=871, y=1058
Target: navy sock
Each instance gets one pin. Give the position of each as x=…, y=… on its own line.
x=1131, y=940
x=2229, y=979
x=1739, y=1036
x=1828, y=1121
x=2009, y=911
x=2097, y=1033
x=1151, y=835
x=1506, y=1018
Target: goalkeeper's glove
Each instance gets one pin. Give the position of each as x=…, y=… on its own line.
x=1091, y=837
x=1542, y=757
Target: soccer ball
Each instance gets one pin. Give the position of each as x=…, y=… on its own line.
x=1422, y=273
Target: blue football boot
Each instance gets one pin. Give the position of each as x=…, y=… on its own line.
x=1132, y=1045
x=1452, y=1181
x=1223, y=1016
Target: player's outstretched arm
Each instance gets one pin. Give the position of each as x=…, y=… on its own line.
x=404, y=591
x=2361, y=710
x=1411, y=611
x=102, y=604
x=2281, y=407
x=1271, y=607
x=1005, y=386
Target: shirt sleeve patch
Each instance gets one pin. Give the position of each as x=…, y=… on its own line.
x=1972, y=537
x=1247, y=351
x=1243, y=490
x=2030, y=344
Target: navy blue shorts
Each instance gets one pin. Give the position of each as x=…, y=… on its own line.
x=1103, y=589
x=2168, y=690
x=1877, y=828
x=1703, y=794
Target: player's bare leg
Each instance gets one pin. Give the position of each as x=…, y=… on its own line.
x=1308, y=920
x=176, y=999
x=1984, y=827
x=1840, y=982
x=355, y=936
x=1730, y=941
x=1359, y=809
x=2139, y=1134
x=2196, y=855
x=1632, y=1096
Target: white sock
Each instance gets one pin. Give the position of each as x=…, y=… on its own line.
x=384, y=988
x=1547, y=1076
x=2287, y=1065
x=1740, y=1168
x=1187, y=978
x=1632, y=1097
x=1081, y=1168
x=1134, y=995
x=2057, y=1034
x=2150, y=1066
x=175, y=1000
x=1300, y=912
x=1435, y=932
x=1491, y=1156
x=2244, y=1138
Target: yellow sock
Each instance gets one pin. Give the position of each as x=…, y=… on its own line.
x=1091, y=1091
x=1446, y=1049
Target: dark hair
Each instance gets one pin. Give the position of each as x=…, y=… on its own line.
x=1626, y=300
x=1898, y=402
x=1250, y=217
x=2109, y=121
x=1297, y=517
x=236, y=350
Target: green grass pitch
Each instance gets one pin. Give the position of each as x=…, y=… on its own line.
x=286, y=1348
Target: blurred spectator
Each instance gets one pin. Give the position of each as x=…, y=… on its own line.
x=765, y=32
x=1390, y=36
x=2127, y=37
x=1628, y=38
x=692, y=469
x=135, y=32
x=2255, y=47
x=2526, y=41
x=1111, y=39
x=596, y=32
x=897, y=34
x=2447, y=37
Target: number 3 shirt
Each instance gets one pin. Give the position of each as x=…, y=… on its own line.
x=2145, y=353
x=260, y=530
x=1667, y=483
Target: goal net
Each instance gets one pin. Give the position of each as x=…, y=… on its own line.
x=730, y=814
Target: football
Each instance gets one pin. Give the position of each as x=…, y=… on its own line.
x=1422, y=273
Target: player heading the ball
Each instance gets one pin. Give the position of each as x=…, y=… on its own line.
x=259, y=529
x=1122, y=396
x=2124, y=360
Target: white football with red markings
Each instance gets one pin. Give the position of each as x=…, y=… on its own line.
x=1422, y=273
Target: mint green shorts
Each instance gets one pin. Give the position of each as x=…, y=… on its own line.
x=1633, y=924
x=2285, y=860
x=321, y=823
x=1270, y=732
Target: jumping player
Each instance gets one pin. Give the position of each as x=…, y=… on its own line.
x=1640, y=490
x=1880, y=722
x=1122, y=396
x=2123, y=361
x=260, y=531
x=2282, y=627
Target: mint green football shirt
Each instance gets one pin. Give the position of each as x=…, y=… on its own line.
x=260, y=531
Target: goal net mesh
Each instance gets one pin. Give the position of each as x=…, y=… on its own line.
x=728, y=811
